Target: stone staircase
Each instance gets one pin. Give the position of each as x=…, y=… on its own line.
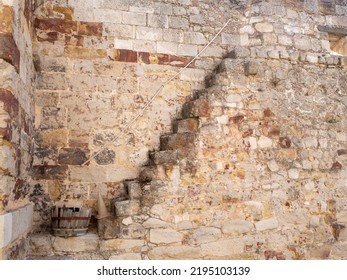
x=176, y=156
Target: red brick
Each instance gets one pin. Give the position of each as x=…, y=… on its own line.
x=124, y=55
x=47, y=37
x=90, y=28
x=336, y=166
x=11, y=104
x=58, y=25
x=9, y=51
x=179, y=61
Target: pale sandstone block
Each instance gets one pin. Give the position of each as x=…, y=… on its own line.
x=107, y=15
x=120, y=244
x=204, y=235
x=266, y=224
x=187, y=50
x=127, y=256
x=155, y=223
x=195, y=75
x=237, y=227
x=178, y=22
x=134, y=18
x=167, y=48
x=174, y=253
x=264, y=27
x=194, y=38
x=223, y=248
x=88, y=242
x=41, y=245
x=166, y=236
x=158, y=21
x=123, y=44
x=149, y=33
x=5, y=229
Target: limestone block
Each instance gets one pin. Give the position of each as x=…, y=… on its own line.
x=5, y=229
x=237, y=227
x=127, y=207
x=159, y=21
x=167, y=47
x=174, y=253
x=107, y=15
x=204, y=235
x=223, y=248
x=194, y=75
x=134, y=189
x=187, y=50
x=230, y=39
x=148, y=33
x=251, y=68
x=88, y=242
x=120, y=244
x=166, y=236
x=178, y=22
x=127, y=221
x=264, y=27
x=155, y=223
x=266, y=224
x=194, y=38
x=302, y=43
x=127, y=256
x=22, y=220
x=123, y=44
x=132, y=18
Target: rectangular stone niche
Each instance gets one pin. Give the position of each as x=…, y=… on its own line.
x=14, y=224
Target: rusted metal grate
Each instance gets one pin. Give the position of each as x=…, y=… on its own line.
x=70, y=221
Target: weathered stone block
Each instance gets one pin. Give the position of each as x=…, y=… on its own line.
x=264, y=142
x=148, y=33
x=85, y=243
x=178, y=23
x=90, y=29
x=237, y=227
x=164, y=157
x=121, y=244
x=134, y=18
x=204, y=235
x=266, y=224
x=40, y=245
x=167, y=47
x=176, y=141
x=223, y=248
x=105, y=157
x=155, y=223
x=73, y=156
x=58, y=25
x=159, y=21
x=186, y=125
x=127, y=208
x=84, y=53
x=251, y=68
x=174, y=253
x=194, y=38
x=134, y=189
x=9, y=50
x=127, y=256
x=197, y=108
x=264, y=27
x=165, y=236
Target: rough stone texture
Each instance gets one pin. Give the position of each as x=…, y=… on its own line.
x=255, y=166
x=89, y=242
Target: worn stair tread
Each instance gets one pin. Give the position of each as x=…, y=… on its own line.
x=196, y=108
x=186, y=125
x=177, y=141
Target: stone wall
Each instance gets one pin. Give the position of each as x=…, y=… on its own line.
x=99, y=62
x=16, y=126
x=241, y=155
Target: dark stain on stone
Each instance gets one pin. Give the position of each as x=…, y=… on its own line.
x=285, y=142
x=336, y=166
x=336, y=230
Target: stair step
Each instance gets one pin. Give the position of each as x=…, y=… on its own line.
x=164, y=157
x=152, y=172
x=127, y=208
x=186, y=125
x=134, y=189
x=177, y=141
x=196, y=108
